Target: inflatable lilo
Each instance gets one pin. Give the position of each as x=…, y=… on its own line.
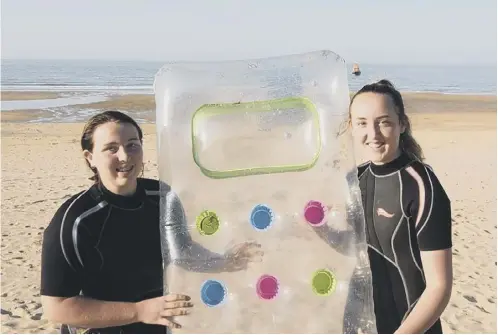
x=251, y=153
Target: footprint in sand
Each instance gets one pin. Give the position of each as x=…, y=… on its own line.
x=11, y=324
x=37, y=316
x=470, y=298
x=19, y=313
x=19, y=260
x=482, y=309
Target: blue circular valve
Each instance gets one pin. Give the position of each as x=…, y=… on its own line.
x=213, y=293
x=261, y=217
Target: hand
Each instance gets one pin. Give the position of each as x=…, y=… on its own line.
x=240, y=255
x=160, y=310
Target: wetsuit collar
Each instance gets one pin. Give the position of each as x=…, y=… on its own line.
x=127, y=202
x=393, y=166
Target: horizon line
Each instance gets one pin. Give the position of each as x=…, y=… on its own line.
x=476, y=64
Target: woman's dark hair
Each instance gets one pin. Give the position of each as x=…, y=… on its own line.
x=407, y=142
x=97, y=120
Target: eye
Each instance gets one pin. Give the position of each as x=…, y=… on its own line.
x=385, y=123
x=134, y=145
x=361, y=123
x=112, y=149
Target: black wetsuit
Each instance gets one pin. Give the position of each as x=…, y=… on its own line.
x=107, y=247
x=406, y=211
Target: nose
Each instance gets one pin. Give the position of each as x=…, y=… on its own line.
x=373, y=131
x=122, y=155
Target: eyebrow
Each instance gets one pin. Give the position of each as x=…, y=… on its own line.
x=378, y=118
x=131, y=139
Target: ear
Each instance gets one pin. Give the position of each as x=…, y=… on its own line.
x=402, y=128
x=89, y=157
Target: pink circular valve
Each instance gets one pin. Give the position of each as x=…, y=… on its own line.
x=314, y=213
x=267, y=287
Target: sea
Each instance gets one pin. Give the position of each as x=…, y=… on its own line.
x=88, y=81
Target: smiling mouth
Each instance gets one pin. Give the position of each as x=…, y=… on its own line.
x=125, y=169
x=375, y=145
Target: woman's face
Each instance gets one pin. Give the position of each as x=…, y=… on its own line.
x=118, y=156
x=376, y=127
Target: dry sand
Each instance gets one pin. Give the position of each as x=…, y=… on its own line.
x=42, y=166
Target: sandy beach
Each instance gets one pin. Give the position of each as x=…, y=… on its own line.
x=42, y=166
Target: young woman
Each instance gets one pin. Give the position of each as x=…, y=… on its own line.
x=408, y=218
x=102, y=265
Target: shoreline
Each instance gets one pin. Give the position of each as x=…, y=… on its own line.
x=13, y=94
x=142, y=106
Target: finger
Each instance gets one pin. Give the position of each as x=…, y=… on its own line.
x=246, y=260
x=176, y=297
x=169, y=323
x=175, y=312
x=177, y=304
x=258, y=253
x=246, y=245
x=253, y=249
x=237, y=268
x=256, y=259
x=250, y=259
x=252, y=244
x=252, y=255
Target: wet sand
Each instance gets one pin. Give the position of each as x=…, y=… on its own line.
x=143, y=106
x=15, y=95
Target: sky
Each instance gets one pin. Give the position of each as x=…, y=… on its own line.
x=368, y=31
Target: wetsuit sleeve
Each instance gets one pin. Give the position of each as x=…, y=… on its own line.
x=58, y=278
x=177, y=235
x=433, y=213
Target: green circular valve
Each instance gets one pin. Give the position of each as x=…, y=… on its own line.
x=323, y=282
x=207, y=223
